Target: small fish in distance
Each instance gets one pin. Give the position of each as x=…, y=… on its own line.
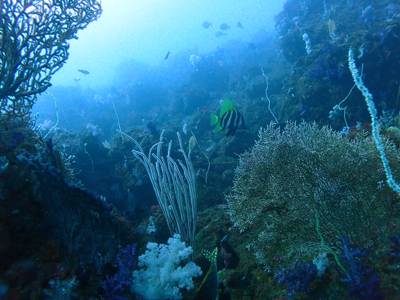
x=224, y=26
x=219, y=33
x=206, y=24
x=84, y=71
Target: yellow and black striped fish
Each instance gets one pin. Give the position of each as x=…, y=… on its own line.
x=229, y=118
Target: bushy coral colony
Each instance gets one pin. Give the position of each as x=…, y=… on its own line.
x=121, y=197
x=118, y=285
x=331, y=197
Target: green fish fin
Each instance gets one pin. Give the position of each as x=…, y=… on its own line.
x=214, y=119
x=227, y=105
x=218, y=128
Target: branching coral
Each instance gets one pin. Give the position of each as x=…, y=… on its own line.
x=33, y=46
x=290, y=175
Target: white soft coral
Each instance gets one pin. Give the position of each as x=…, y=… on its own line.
x=161, y=277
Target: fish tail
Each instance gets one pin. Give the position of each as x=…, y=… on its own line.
x=214, y=119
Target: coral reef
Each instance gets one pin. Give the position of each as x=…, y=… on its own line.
x=314, y=217
x=288, y=176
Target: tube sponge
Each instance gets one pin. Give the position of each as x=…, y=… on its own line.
x=161, y=277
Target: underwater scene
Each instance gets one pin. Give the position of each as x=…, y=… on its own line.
x=251, y=154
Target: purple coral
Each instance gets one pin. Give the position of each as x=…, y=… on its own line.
x=118, y=285
x=396, y=246
x=364, y=284
x=297, y=277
